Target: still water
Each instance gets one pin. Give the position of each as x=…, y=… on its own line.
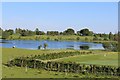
x=33, y=44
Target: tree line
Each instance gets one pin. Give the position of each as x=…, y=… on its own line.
x=83, y=32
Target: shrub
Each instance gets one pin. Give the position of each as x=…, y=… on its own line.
x=107, y=46
x=48, y=38
x=39, y=47
x=84, y=47
x=45, y=45
x=56, y=39
x=78, y=38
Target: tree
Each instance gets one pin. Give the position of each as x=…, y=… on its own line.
x=5, y=35
x=1, y=32
x=18, y=30
x=30, y=33
x=115, y=37
x=69, y=32
x=37, y=31
x=45, y=45
x=41, y=33
x=52, y=33
x=24, y=33
x=111, y=37
x=10, y=31
x=114, y=46
x=85, y=32
x=107, y=45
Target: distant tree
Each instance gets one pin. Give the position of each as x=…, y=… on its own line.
x=5, y=35
x=52, y=33
x=1, y=31
x=37, y=31
x=106, y=39
x=116, y=37
x=111, y=37
x=61, y=33
x=85, y=32
x=45, y=45
x=18, y=30
x=24, y=32
x=10, y=31
x=41, y=33
x=30, y=33
x=95, y=37
x=69, y=32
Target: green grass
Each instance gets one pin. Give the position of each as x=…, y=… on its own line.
x=18, y=72
x=99, y=59
x=10, y=53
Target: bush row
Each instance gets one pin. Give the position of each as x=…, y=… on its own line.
x=58, y=55
x=66, y=67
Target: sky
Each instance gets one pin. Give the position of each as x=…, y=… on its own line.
x=100, y=17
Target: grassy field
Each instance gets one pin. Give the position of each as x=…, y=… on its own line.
x=99, y=59
x=17, y=72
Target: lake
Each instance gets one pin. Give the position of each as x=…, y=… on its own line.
x=33, y=44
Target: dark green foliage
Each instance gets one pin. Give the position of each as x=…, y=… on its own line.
x=85, y=32
x=84, y=47
x=115, y=47
x=69, y=32
x=10, y=31
x=48, y=38
x=37, y=31
x=52, y=33
x=45, y=45
x=95, y=39
x=66, y=67
x=111, y=36
x=116, y=37
x=1, y=32
x=41, y=33
x=86, y=39
x=78, y=38
x=56, y=39
x=24, y=33
x=106, y=39
x=58, y=55
x=40, y=46
x=5, y=35
x=107, y=45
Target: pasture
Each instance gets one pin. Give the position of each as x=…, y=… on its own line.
x=111, y=58
x=99, y=59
